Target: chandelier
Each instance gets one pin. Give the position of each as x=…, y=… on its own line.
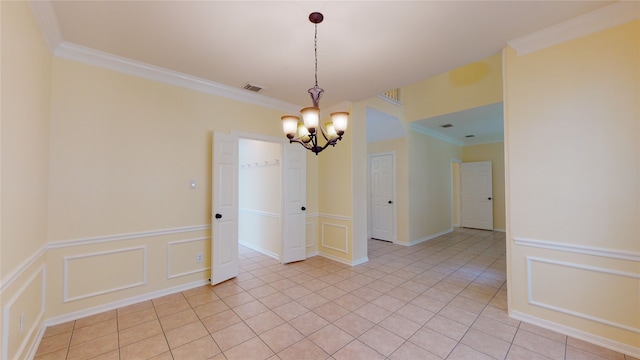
x=305, y=132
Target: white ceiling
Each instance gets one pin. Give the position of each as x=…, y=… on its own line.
x=485, y=123
x=364, y=47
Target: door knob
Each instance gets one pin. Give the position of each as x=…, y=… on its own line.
x=489, y=199
x=218, y=216
x=303, y=208
x=390, y=202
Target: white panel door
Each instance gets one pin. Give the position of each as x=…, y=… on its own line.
x=381, y=202
x=476, y=195
x=294, y=244
x=224, y=222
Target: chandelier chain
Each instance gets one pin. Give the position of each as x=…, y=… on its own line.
x=315, y=49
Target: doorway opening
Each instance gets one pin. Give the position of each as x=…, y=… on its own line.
x=259, y=196
x=269, y=214
x=382, y=195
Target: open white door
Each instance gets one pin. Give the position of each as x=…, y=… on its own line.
x=476, y=195
x=224, y=222
x=381, y=177
x=294, y=244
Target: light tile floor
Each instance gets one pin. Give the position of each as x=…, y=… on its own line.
x=442, y=299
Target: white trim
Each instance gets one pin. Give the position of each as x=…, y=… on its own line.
x=6, y=312
x=500, y=230
x=260, y=250
x=579, y=249
x=426, y=238
x=36, y=343
x=121, y=303
x=47, y=22
x=578, y=314
x=455, y=220
x=346, y=238
x=15, y=273
x=261, y=213
x=481, y=140
x=598, y=20
x=124, y=65
x=426, y=131
x=65, y=278
x=126, y=236
x=343, y=261
x=312, y=253
x=390, y=100
x=575, y=333
x=261, y=137
x=169, y=244
x=334, y=217
x=314, y=227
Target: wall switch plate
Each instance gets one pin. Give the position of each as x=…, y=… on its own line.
x=199, y=257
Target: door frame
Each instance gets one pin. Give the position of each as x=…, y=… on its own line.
x=456, y=220
x=394, y=189
x=283, y=167
x=491, y=228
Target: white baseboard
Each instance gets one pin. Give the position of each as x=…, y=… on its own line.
x=121, y=303
x=500, y=230
x=578, y=334
x=260, y=250
x=343, y=261
x=426, y=238
x=312, y=253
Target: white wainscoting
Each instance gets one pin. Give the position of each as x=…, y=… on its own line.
x=609, y=272
x=311, y=234
x=615, y=274
x=9, y=279
x=126, y=236
x=139, y=279
x=178, y=243
x=579, y=249
x=344, y=247
x=38, y=277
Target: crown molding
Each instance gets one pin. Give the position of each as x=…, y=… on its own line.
x=109, y=61
x=484, y=140
x=598, y=20
x=47, y=21
x=435, y=134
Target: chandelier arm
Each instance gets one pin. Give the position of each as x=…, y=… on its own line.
x=324, y=134
x=306, y=145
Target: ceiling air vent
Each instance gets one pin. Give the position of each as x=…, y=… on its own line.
x=470, y=136
x=446, y=126
x=252, y=87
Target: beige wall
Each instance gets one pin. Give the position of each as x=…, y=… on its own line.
x=493, y=152
x=572, y=140
x=123, y=150
x=469, y=86
x=26, y=99
x=335, y=196
x=430, y=182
